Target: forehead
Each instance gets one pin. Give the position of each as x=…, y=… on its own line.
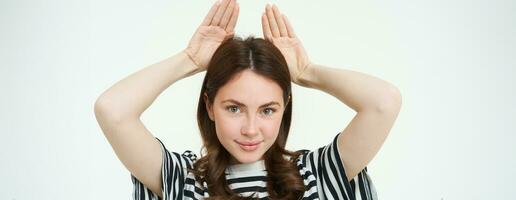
x=250, y=88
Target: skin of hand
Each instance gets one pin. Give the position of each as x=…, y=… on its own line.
x=278, y=30
x=217, y=26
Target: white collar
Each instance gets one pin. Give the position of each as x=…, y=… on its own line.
x=244, y=167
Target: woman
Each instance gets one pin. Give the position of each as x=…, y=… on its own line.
x=244, y=116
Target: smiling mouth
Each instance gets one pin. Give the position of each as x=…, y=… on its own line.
x=249, y=146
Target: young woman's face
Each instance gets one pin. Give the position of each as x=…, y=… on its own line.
x=247, y=112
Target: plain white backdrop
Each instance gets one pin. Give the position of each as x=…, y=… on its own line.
x=454, y=62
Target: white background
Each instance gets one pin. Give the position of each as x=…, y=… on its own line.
x=453, y=61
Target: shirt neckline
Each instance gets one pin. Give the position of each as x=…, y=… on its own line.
x=245, y=167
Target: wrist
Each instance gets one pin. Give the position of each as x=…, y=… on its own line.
x=191, y=57
x=307, y=78
x=186, y=64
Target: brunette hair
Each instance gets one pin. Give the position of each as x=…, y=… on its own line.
x=233, y=56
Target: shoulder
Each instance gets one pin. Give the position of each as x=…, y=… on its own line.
x=189, y=155
x=302, y=158
x=170, y=158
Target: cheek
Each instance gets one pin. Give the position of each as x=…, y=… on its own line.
x=227, y=126
x=271, y=127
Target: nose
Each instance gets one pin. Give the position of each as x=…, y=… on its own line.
x=250, y=128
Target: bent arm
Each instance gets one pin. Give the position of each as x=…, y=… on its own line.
x=376, y=102
x=131, y=96
x=118, y=109
x=359, y=91
x=118, y=112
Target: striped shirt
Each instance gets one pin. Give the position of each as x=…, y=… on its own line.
x=322, y=171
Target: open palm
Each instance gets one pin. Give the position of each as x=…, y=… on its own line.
x=218, y=25
x=277, y=29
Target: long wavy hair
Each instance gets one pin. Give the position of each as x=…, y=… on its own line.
x=233, y=56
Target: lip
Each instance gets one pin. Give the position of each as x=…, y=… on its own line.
x=249, y=143
x=248, y=146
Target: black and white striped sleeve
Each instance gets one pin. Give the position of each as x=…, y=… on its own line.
x=173, y=174
x=328, y=169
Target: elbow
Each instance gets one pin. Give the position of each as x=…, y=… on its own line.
x=104, y=110
x=100, y=105
x=390, y=101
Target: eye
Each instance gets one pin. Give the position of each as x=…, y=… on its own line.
x=269, y=111
x=232, y=109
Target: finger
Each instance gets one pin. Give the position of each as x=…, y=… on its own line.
x=279, y=20
x=234, y=18
x=290, y=30
x=211, y=13
x=220, y=11
x=272, y=22
x=267, y=34
x=227, y=14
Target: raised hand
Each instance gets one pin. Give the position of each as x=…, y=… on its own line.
x=277, y=29
x=217, y=26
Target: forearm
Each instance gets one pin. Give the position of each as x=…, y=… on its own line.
x=131, y=96
x=357, y=90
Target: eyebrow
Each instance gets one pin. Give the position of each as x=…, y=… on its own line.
x=243, y=105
